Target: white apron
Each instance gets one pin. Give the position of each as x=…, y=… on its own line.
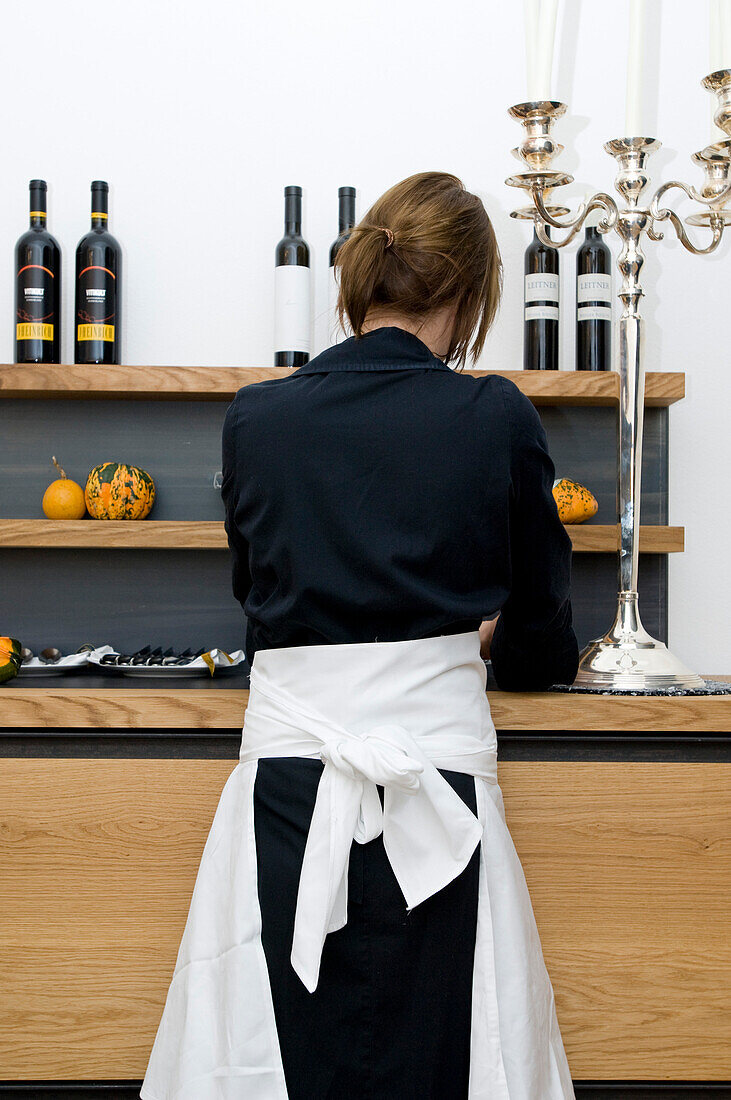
x=387, y=713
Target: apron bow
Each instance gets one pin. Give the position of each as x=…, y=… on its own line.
x=429, y=834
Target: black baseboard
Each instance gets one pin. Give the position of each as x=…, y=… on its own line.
x=585, y=1090
x=652, y=1090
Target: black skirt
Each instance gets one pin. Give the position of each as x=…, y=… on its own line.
x=391, y=1016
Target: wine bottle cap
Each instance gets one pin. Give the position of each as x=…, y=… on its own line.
x=292, y=190
x=100, y=185
x=37, y=185
x=346, y=192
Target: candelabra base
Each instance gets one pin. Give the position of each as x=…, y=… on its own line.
x=628, y=657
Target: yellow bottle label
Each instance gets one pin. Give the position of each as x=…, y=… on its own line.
x=96, y=332
x=33, y=330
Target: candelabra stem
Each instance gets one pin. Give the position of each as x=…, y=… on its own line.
x=627, y=656
x=630, y=366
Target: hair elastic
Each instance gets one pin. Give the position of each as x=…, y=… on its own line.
x=389, y=234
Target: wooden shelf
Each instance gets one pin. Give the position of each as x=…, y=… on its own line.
x=215, y=707
x=113, y=534
x=593, y=538
x=221, y=383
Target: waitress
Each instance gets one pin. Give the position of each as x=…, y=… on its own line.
x=360, y=926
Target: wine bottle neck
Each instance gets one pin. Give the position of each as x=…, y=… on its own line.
x=346, y=214
x=37, y=207
x=293, y=215
x=99, y=208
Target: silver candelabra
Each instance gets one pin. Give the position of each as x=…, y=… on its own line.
x=627, y=656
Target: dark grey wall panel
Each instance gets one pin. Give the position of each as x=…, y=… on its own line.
x=179, y=598
x=583, y=445
x=178, y=443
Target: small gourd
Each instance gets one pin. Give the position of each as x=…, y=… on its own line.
x=117, y=491
x=575, y=502
x=9, y=658
x=64, y=498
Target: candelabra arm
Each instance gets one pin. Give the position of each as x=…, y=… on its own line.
x=664, y=213
x=716, y=199
x=600, y=201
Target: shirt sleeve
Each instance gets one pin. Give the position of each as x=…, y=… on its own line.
x=534, y=644
x=240, y=573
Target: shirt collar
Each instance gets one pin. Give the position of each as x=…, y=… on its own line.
x=387, y=348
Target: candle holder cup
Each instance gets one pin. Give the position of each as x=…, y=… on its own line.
x=627, y=657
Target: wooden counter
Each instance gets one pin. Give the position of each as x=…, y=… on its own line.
x=618, y=807
x=97, y=702
x=628, y=867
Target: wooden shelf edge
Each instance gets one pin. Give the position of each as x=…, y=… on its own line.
x=149, y=383
x=130, y=708
x=210, y=535
x=89, y=534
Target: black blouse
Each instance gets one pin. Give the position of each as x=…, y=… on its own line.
x=376, y=494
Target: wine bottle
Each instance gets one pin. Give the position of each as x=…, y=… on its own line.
x=593, y=299
x=98, y=286
x=541, y=306
x=292, y=311
x=346, y=221
x=37, y=287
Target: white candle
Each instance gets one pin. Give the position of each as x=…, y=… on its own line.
x=720, y=50
x=633, y=102
x=530, y=18
x=714, y=63
x=544, y=48
x=715, y=36
x=724, y=35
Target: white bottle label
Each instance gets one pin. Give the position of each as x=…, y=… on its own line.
x=292, y=316
x=541, y=288
x=594, y=288
x=541, y=313
x=594, y=313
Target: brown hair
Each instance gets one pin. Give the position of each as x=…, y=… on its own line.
x=427, y=243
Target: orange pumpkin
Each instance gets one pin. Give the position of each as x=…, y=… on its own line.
x=116, y=491
x=9, y=658
x=575, y=502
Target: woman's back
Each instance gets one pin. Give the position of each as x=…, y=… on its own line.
x=359, y=877
x=375, y=494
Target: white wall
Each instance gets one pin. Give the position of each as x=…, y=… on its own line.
x=199, y=113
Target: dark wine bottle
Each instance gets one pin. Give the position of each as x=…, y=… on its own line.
x=593, y=300
x=98, y=286
x=292, y=295
x=541, y=306
x=346, y=221
x=37, y=287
